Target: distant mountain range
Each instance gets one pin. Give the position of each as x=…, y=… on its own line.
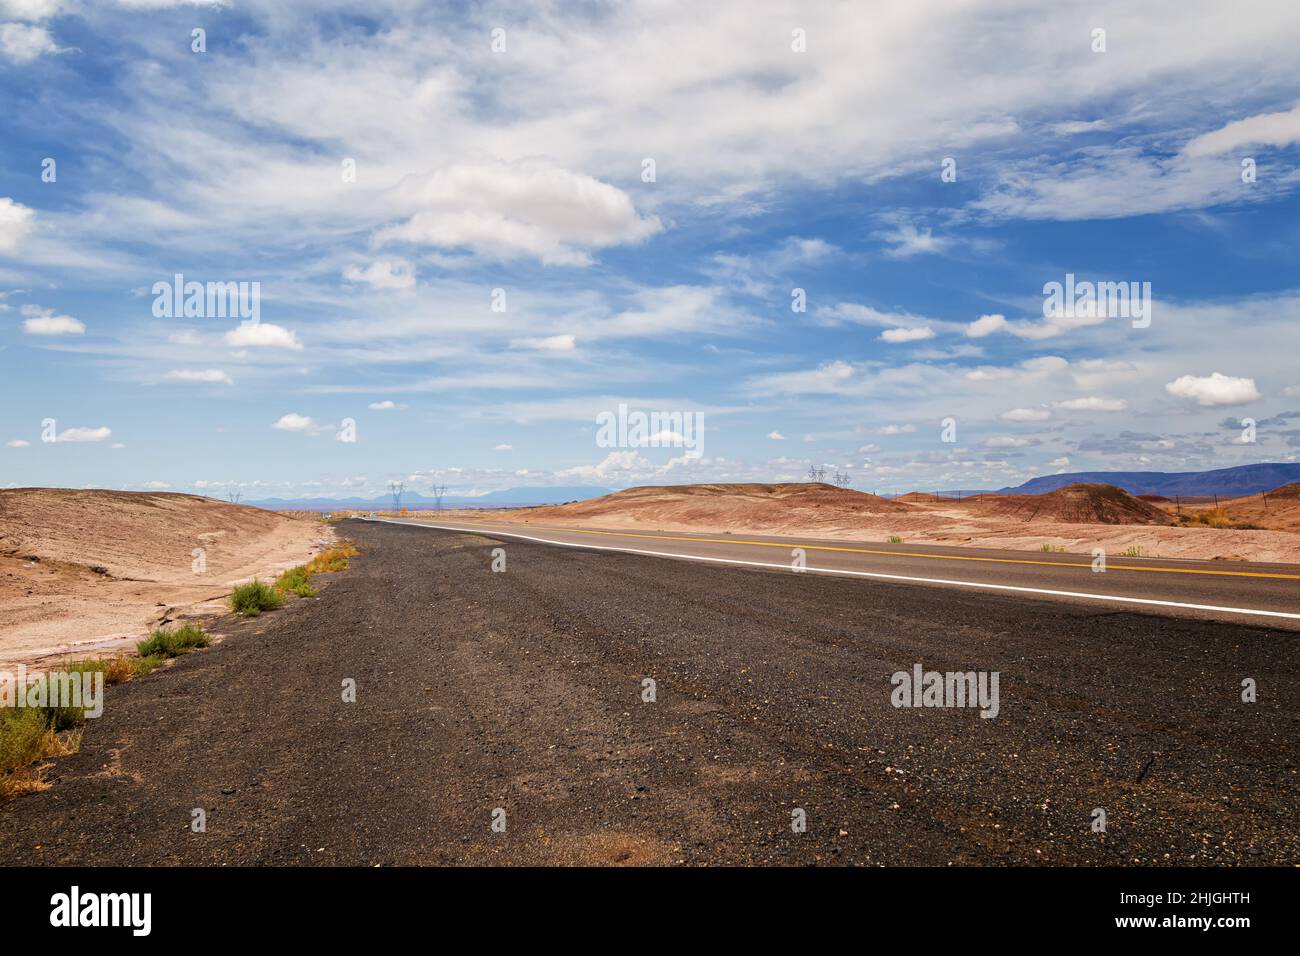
x=510, y=497
x=1228, y=482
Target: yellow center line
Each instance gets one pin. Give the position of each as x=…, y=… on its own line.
x=904, y=554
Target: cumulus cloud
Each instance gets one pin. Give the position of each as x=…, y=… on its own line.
x=517, y=210
x=504, y=447
x=19, y=443
x=612, y=464
x=209, y=375
x=897, y=429
x=44, y=322
x=101, y=433
x=293, y=422
x=22, y=43
x=262, y=335
x=896, y=336
x=548, y=343
x=386, y=405
x=776, y=436
x=1093, y=403
x=1214, y=389
x=1025, y=415
x=15, y=223
x=986, y=325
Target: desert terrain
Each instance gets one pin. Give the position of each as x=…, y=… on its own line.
x=1077, y=518
x=85, y=570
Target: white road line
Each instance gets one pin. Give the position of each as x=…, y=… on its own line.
x=1118, y=599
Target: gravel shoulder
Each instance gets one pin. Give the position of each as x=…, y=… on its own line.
x=523, y=690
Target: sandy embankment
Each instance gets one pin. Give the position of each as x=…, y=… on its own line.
x=1077, y=520
x=86, y=571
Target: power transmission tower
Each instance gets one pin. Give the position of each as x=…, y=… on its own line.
x=234, y=496
x=395, y=488
x=438, y=492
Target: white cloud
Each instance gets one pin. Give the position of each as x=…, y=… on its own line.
x=776, y=436
x=85, y=434
x=504, y=447
x=31, y=10
x=293, y=422
x=1267, y=129
x=1093, y=403
x=907, y=241
x=15, y=223
x=1026, y=415
x=896, y=336
x=612, y=464
x=262, y=335
x=44, y=322
x=212, y=375
x=1214, y=389
x=386, y=405
x=156, y=485
x=185, y=337
x=549, y=343
x=512, y=210
x=897, y=429
x=986, y=325
x=20, y=43
x=396, y=274
x=1005, y=441
x=19, y=443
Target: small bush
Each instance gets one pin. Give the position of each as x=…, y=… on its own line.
x=163, y=643
x=1133, y=551
x=253, y=598
x=1053, y=548
x=335, y=559
x=296, y=581
x=895, y=539
x=29, y=735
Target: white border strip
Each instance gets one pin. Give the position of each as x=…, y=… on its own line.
x=1119, y=599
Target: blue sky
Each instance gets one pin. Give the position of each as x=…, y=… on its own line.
x=522, y=169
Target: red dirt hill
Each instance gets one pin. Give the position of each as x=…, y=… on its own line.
x=1081, y=504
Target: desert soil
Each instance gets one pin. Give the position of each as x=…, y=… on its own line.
x=82, y=572
x=1015, y=522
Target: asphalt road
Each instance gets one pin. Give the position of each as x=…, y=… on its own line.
x=522, y=690
x=1211, y=590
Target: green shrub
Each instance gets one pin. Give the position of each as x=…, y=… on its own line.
x=253, y=598
x=297, y=581
x=895, y=539
x=163, y=643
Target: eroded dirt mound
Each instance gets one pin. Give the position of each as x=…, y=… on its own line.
x=1081, y=504
x=128, y=534
x=79, y=568
x=727, y=506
